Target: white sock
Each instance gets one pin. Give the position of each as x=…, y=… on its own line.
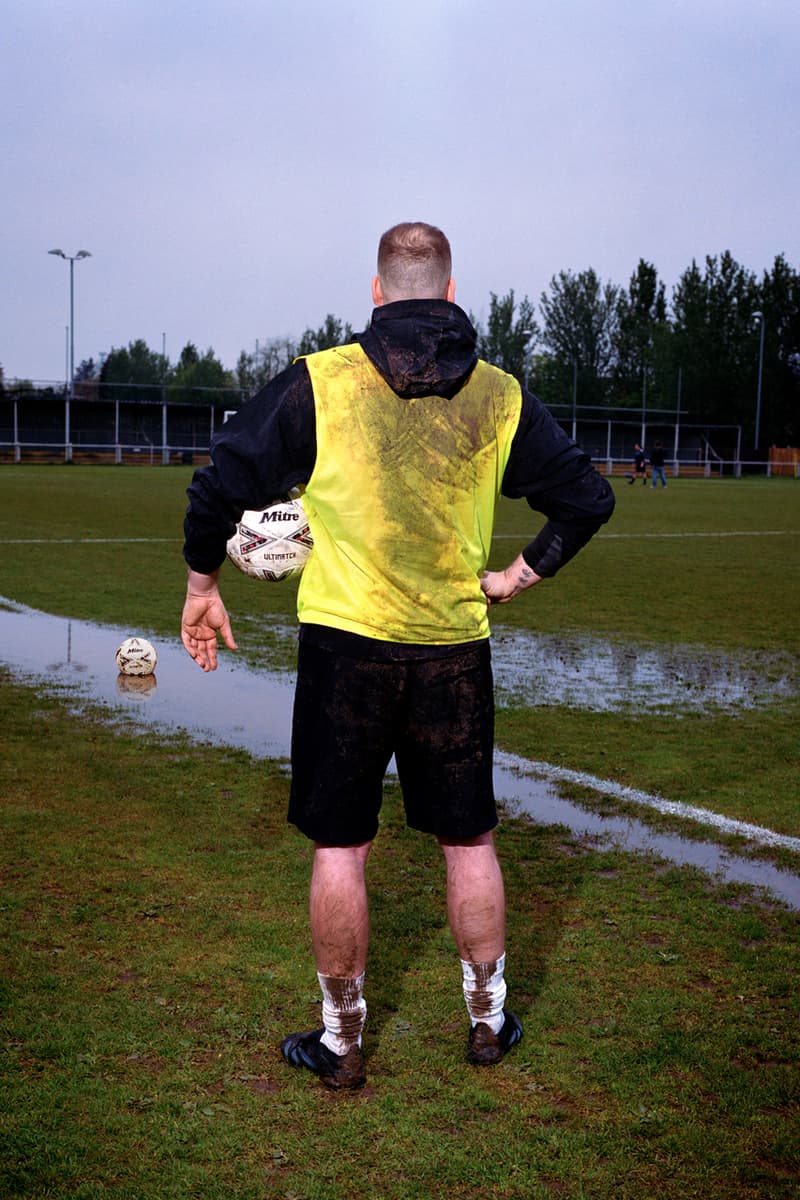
x=344, y=1012
x=485, y=992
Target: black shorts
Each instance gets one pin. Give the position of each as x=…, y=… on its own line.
x=351, y=714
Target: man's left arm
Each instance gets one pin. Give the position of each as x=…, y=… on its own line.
x=557, y=479
x=501, y=586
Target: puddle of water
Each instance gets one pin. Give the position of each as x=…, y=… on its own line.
x=252, y=710
x=523, y=794
x=232, y=706
x=536, y=669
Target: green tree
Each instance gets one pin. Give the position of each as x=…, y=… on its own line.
x=126, y=372
x=640, y=329
x=780, y=393
x=256, y=368
x=245, y=373
x=510, y=336
x=197, y=379
x=715, y=340
x=333, y=332
x=85, y=370
x=580, y=315
x=269, y=358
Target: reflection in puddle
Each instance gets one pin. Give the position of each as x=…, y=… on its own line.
x=136, y=685
x=583, y=672
x=534, y=669
x=238, y=707
x=233, y=706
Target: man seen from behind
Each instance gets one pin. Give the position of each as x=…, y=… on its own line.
x=402, y=442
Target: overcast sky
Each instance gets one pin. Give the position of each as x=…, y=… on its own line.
x=231, y=165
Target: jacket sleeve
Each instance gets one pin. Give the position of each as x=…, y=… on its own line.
x=259, y=454
x=558, y=480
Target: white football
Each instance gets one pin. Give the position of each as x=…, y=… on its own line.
x=272, y=543
x=136, y=656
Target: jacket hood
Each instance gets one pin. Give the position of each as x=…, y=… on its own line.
x=421, y=347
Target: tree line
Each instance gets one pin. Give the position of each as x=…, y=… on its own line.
x=725, y=345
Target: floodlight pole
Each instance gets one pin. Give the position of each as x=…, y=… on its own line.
x=678, y=421
x=526, y=335
x=71, y=259
x=759, y=316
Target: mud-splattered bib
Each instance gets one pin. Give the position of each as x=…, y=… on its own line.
x=401, y=501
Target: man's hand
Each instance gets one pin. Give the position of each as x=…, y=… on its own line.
x=204, y=615
x=501, y=586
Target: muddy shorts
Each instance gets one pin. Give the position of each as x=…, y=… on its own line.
x=351, y=715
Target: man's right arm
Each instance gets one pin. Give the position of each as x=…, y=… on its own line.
x=204, y=615
x=262, y=452
x=259, y=454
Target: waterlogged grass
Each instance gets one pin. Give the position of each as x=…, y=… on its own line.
x=153, y=902
x=155, y=950
x=742, y=765
x=69, y=538
x=689, y=565
x=711, y=564
x=696, y=564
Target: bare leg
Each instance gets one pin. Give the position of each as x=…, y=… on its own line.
x=339, y=934
x=477, y=911
x=338, y=908
x=476, y=903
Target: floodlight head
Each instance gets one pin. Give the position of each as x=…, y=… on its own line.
x=758, y=316
x=83, y=254
x=60, y=253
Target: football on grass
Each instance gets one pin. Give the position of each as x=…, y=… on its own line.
x=272, y=543
x=136, y=656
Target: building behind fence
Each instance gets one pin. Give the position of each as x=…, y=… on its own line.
x=148, y=425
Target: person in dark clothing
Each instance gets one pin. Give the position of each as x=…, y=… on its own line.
x=657, y=465
x=403, y=440
x=639, y=465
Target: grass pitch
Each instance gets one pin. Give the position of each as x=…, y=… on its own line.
x=153, y=905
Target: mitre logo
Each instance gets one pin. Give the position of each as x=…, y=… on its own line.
x=277, y=514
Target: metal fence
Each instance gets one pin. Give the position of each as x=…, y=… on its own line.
x=126, y=426
x=146, y=425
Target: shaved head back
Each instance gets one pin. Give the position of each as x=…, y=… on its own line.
x=414, y=262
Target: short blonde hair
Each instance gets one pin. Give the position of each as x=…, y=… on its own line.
x=414, y=262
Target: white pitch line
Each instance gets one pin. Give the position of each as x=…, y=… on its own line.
x=727, y=533
x=756, y=833
x=81, y=541
x=625, y=536
x=497, y=537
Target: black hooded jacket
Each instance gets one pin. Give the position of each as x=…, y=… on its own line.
x=421, y=348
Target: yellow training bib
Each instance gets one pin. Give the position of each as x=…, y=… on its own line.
x=401, y=501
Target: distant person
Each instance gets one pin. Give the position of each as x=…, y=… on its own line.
x=404, y=441
x=657, y=465
x=639, y=465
